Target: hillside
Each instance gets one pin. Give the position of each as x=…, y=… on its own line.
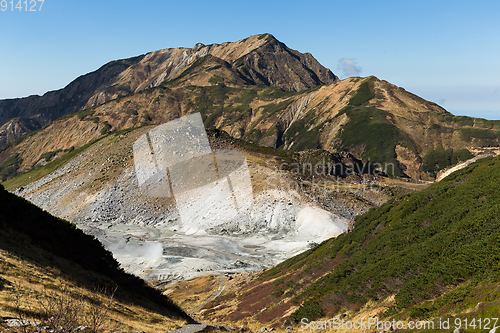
x=46, y=255
x=427, y=255
x=371, y=118
x=96, y=188
x=259, y=59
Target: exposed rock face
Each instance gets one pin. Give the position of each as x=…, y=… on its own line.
x=275, y=64
x=258, y=59
x=410, y=161
x=16, y=127
x=55, y=104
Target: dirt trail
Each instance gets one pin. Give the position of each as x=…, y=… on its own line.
x=211, y=298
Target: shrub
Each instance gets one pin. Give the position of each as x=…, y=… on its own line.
x=310, y=309
x=9, y=166
x=82, y=114
x=467, y=134
x=106, y=127
x=365, y=93
x=440, y=158
x=216, y=79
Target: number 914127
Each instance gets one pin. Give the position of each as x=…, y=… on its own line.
x=21, y=5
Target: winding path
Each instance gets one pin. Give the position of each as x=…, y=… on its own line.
x=211, y=298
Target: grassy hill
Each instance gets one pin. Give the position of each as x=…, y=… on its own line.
x=423, y=256
x=43, y=255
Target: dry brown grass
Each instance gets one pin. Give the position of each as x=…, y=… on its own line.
x=192, y=293
x=27, y=285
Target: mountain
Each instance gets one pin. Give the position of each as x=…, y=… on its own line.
x=42, y=254
x=259, y=59
x=288, y=120
x=371, y=118
x=423, y=256
x=258, y=90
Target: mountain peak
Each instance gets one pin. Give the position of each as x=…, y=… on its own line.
x=259, y=59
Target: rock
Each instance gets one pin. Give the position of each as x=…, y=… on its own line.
x=289, y=328
x=244, y=329
x=263, y=329
x=21, y=323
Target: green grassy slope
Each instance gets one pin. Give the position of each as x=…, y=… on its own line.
x=437, y=251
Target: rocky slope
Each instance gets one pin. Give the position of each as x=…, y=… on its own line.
x=259, y=59
x=98, y=190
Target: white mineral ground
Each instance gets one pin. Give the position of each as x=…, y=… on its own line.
x=150, y=239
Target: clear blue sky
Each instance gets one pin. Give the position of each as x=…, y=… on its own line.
x=446, y=51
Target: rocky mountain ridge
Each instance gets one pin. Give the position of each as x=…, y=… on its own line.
x=259, y=59
x=247, y=89
x=369, y=117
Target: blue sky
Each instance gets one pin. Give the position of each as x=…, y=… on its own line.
x=445, y=51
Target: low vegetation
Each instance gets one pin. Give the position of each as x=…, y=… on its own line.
x=440, y=158
x=9, y=166
x=410, y=248
x=363, y=94
x=369, y=130
x=435, y=251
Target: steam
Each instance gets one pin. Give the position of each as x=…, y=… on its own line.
x=314, y=223
x=349, y=67
x=149, y=251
